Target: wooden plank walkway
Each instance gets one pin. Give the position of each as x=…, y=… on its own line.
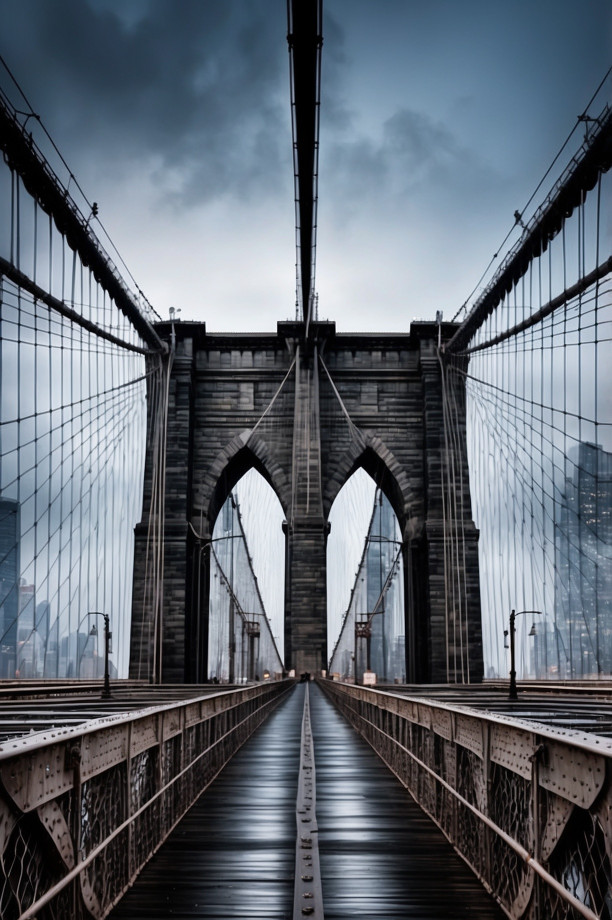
x=233, y=855
x=380, y=855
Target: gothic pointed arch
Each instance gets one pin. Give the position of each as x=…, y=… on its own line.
x=371, y=453
x=242, y=453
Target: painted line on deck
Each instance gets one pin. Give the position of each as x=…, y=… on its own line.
x=308, y=893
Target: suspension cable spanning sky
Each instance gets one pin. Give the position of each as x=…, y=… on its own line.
x=438, y=120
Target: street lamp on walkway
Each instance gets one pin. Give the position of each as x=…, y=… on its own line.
x=512, y=695
x=106, y=693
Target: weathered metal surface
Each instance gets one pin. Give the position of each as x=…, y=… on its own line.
x=513, y=748
x=442, y=723
x=171, y=724
x=468, y=733
x=54, y=821
x=144, y=734
x=103, y=749
x=193, y=714
x=558, y=813
x=234, y=855
x=32, y=779
x=574, y=774
x=424, y=716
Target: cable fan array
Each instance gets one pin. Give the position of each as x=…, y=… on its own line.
x=538, y=383
x=72, y=418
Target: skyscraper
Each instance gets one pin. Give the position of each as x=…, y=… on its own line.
x=9, y=584
x=583, y=566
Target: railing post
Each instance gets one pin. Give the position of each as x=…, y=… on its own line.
x=455, y=779
x=486, y=765
x=75, y=829
x=536, y=840
x=128, y=805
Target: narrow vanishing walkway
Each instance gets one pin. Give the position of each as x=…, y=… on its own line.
x=234, y=854
x=380, y=855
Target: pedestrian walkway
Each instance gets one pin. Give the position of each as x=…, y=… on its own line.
x=380, y=855
x=233, y=855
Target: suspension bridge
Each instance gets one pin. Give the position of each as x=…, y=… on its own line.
x=169, y=517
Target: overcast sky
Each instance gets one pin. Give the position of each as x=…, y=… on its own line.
x=438, y=119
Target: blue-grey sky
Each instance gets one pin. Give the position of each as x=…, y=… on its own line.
x=438, y=120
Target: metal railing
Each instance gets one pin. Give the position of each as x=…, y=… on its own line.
x=529, y=807
x=83, y=809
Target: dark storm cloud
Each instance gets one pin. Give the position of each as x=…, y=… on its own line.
x=193, y=88
x=389, y=160
x=412, y=155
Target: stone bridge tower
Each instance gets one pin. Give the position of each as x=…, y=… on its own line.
x=306, y=412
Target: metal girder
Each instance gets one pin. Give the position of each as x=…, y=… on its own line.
x=32, y=779
x=22, y=155
x=305, y=40
x=581, y=176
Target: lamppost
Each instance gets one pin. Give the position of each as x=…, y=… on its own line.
x=512, y=694
x=106, y=693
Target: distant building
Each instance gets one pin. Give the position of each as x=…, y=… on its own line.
x=30, y=649
x=9, y=584
x=384, y=597
x=581, y=641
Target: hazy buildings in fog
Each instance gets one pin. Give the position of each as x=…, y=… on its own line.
x=9, y=582
x=580, y=640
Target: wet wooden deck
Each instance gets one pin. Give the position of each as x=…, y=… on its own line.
x=380, y=855
x=233, y=855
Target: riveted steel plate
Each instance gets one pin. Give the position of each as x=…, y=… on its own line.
x=171, y=723
x=512, y=748
x=468, y=733
x=424, y=716
x=37, y=777
x=145, y=734
x=574, y=774
x=54, y=822
x=558, y=812
x=103, y=749
x=442, y=723
x=192, y=714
